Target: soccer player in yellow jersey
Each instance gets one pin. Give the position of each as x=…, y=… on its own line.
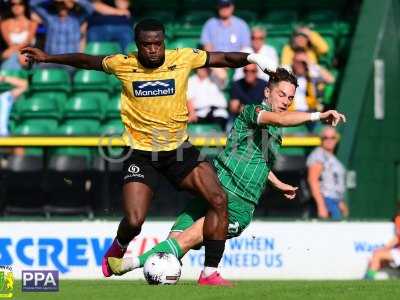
x=154, y=112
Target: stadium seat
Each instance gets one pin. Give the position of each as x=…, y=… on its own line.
x=112, y=127
x=321, y=16
x=194, y=18
x=101, y=98
x=193, y=5
x=82, y=107
x=131, y=48
x=88, y=80
x=280, y=16
x=113, y=109
x=293, y=151
x=204, y=129
x=38, y=107
x=59, y=97
x=115, y=84
x=184, y=43
x=247, y=15
x=102, y=48
x=327, y=59
x=278, y=42
x=50, y=80
x=295, y=131
x=32, y=129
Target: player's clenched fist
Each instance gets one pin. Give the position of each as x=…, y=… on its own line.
x=34, y=55
x=332, y=117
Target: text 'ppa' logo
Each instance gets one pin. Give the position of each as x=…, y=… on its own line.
x=154, y=88
x=40, y=281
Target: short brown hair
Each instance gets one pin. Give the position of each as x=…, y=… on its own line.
x=281, y=74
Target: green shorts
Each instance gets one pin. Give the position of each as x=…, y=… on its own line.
x=240, y=213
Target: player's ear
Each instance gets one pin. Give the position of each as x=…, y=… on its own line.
x=267, y=92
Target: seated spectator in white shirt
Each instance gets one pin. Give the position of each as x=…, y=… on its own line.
x=258, y=45
x=8, y=98
x=206, y=101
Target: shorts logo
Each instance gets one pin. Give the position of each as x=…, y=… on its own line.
x=154, y=88
x=6, y=282
x=134, y=171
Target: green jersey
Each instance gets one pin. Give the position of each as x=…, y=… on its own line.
x=249, y=154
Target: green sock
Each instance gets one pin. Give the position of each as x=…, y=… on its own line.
x=168, y=246
x=370, y=274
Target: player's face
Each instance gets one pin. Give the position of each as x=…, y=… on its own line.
x=151, y=48
x=280, y=96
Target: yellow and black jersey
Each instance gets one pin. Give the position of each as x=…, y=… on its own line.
x=153, y=101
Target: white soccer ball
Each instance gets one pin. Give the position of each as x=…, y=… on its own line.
x=162, y=268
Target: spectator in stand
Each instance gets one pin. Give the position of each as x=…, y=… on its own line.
x=309, y=75
x=111, y=22
x=225, y=32
x=206, y=101
x=258, y=45
x=326, y=177
x=64, y=25
x=248, y=90
x=312, y=42
x=8, y=98
x=17, y=31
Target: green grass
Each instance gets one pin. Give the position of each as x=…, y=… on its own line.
x=243, y=290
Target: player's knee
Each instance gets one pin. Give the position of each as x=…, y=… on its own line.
x=135, y=221
x=219, y=201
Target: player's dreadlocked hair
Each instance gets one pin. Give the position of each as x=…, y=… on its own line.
x=281, y=74
x=148, y=25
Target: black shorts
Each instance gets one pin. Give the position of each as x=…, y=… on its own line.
x=146, y=166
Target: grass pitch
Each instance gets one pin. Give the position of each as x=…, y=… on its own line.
x=248, y=290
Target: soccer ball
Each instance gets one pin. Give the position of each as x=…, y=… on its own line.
x=162, y=268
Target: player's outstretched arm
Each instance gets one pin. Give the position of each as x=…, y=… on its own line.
x=238, y=60
x=288, y=191
x=77, y=60
x=294, y=118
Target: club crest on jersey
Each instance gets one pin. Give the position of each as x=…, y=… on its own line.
x=154, y=88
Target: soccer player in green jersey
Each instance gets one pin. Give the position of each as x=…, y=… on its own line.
x=243, y=169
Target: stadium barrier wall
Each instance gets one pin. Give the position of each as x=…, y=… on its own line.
x=266, y=250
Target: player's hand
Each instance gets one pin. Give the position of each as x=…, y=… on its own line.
x=288, y=191
x=332, y=117
x=323, y=212
x=34, y=55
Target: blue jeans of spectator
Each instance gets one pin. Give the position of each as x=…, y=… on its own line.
x=332, y=205
x=11, y=63
x=121, y=34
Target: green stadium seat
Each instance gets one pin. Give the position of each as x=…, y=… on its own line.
x=198, y=17
x=327, y=59
x=184, y=43
x=39, y=107
x=164, y=16
x=82, y=107
x=193, y=5
x=278, y=42
x=280, y=16
x=101, y=98
x=102, y=48
x=32, y=130
x=112, y=127
x=115, y=84
x=113, y=109
x=204, y=129
x=247, y=15
x=50, y=80
x=58, y=96
x=88, y=80
x=131, y=48
x=293, y=151
x=321, y=16
x=74, y=129
x=50, y=123
x=301, y=130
